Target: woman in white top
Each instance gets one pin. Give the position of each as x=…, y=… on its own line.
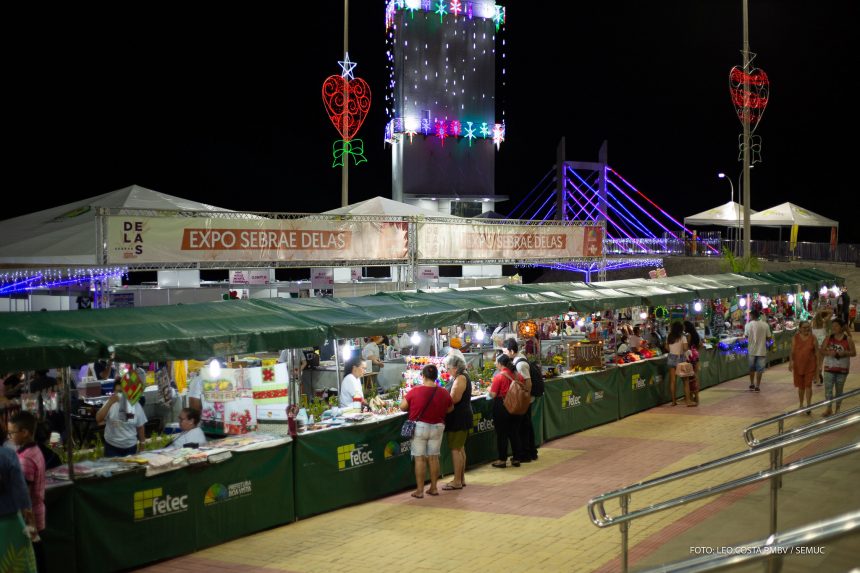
x=677, y=346
x=371, y=352
x=123, y=424
x=189, y=418
x=350, y=388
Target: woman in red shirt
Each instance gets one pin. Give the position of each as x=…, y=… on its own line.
x=427, y=405
x=507, y=424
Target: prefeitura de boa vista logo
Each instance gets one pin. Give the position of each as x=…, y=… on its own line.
x=152, y=503
x=638, y=382
x=481, y=424
x=394, y=449
x=218, y=493
x=351, y=456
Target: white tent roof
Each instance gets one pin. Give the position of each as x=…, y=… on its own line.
x=729, y=215
x=66, y=235
x=789, y=214
x=383, y=206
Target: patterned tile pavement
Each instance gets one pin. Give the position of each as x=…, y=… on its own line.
x=534, y=518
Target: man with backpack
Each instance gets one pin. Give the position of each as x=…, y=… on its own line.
x=531, y=373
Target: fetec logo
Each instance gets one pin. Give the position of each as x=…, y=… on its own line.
x=395, y=449
x=152, y=503
x=352, y=456
x=218, y=493
x=570, y=400
x=481, y=424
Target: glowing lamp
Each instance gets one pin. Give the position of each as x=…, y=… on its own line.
x=806, y=295
x=527, y=328
x=836, y=290
x=643, y=315
x=742, y=303
x=697, y=306
x=791, y=299
x=214, y=368
x=479, y=335
x=764, y=300
x=415, y=338
x=580, y=322
x=823, y=291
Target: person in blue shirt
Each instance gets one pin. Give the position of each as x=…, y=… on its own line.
x=15, y=505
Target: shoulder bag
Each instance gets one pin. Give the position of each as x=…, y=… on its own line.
x=408, y=428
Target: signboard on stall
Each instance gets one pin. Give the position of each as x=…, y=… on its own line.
x=143, y=239
x=427, y=273
x=488, y=242
x=250, y=277
x=322, y=278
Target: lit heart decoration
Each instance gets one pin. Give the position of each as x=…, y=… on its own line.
x=132, y=385
x=356, y=108
x=755, y=100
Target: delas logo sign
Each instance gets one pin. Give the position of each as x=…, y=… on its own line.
x=152, y=503
x=352, y=456
x=218, y=492
x=396, y=449
x=481, y=424
x=570, y=400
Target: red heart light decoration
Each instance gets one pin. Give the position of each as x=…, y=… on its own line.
x=346, y=113
x=755, y=99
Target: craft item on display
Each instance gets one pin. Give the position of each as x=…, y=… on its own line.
x=269, y=384
x=585, y=354
x=164, y=389
x=132, y=383
x=228, y=405
x=527, y=328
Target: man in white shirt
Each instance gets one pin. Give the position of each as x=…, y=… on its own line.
x=757, y=333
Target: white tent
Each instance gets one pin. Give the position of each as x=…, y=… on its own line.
x=729, y=215
x=66, y=235
x=383, y=206
x=789, y=214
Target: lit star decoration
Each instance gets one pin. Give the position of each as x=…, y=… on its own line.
x=498, y=134
x=456, y=7
x=441, y=10
x=470, y=132
x=347, y=67
x=485, y=131
x=455, y=128
x=347, y=102
x=499, y=18
x=441, y=133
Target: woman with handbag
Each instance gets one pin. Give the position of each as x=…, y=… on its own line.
x=427, y=405
x=676, y=344
x=694, y=344
x=507, y=424
x=458, y=422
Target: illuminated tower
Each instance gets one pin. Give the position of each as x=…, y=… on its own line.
x=443, y=126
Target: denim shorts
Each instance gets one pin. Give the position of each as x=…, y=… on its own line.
x=757, y=363
x=673, y=360
x=427, y=439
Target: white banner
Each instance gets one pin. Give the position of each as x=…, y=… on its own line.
x=133, y=240
x=322, y=278
x=475, y=241
x=250, y=277
x=427, y=273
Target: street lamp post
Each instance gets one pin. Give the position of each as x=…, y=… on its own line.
x=732, y=185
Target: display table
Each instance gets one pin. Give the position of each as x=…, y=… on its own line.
x=107, y=524
x=575, y=402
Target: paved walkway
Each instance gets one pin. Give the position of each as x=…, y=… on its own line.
x=534, y=518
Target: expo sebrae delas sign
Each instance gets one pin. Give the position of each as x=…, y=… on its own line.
x=170, y=239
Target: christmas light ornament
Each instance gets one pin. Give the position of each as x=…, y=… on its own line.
x=347, y=102
x=750, y=102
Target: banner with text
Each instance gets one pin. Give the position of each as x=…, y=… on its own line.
x=477, y=241
x=133, y=240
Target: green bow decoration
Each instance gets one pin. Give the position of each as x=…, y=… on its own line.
x=342, y=147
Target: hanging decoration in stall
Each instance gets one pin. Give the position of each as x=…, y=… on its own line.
x=132, y=383
x=527, y=329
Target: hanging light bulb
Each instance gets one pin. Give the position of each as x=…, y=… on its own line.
x=823, y=291
x=791, y=299
x=806, y=295
x=346, y=351
x=836, y=290
x=214, y=368
x=479, y=335
x=764, y=300
x=697, y=306
x=416, y=338
x=643, y=315
x=580, y=322
x=742, y=302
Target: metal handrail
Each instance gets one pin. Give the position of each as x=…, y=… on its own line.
x=597, y=511
x=748, y=432
x=775, y=547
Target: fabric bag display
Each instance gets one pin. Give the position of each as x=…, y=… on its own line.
x=408, y=428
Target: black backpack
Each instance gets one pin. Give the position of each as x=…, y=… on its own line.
x=536, y=375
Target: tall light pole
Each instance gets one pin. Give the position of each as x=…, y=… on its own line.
x=732, y=185
x=747, y=252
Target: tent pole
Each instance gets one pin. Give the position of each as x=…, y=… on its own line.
x=67, y=384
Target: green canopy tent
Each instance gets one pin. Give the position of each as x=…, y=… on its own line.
x=745, y=285
x=702, y=286
x=581, y=297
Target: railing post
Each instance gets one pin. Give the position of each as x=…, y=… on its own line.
x=779, y=454
x=624, y=528
x=775, y=455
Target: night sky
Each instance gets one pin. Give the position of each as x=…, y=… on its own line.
x=224, y=106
